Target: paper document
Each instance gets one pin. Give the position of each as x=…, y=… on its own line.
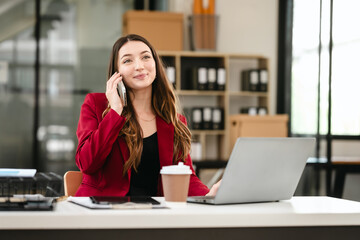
x=87, y=202
x=17, y=172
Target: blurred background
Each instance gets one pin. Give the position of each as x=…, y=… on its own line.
x=74, y=44
x=54, y=52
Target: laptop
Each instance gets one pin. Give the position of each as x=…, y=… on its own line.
x=262, y=170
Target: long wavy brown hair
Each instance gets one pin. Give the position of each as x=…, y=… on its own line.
x=164, y=102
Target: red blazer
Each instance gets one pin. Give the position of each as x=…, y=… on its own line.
x=101, y=153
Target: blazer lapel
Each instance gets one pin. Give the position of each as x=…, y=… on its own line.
x=165, y=134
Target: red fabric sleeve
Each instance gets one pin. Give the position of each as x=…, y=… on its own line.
x=96, y=137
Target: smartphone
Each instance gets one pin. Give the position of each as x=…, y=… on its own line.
x=122, y=92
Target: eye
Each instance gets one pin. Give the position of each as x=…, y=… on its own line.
x=126, y=61
x=147, y=57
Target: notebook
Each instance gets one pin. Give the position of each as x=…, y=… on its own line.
x=262, y=170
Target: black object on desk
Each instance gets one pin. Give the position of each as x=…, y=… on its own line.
x=27, y=202
x=46, y=184
x=30, y=193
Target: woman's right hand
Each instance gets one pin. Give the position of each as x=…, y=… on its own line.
x=112, y=94
x=214, y=189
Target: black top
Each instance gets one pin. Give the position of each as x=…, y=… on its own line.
x=144, y=182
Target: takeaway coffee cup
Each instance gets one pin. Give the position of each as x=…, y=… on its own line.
x=175, y=181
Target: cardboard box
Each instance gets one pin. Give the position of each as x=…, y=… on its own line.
x=164, y=30
x=243, y=125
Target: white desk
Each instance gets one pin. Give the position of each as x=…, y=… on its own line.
x=301, y=217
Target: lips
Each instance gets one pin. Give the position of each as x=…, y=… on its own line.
x=140, y=76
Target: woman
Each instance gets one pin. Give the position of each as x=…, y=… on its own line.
x=122, y=148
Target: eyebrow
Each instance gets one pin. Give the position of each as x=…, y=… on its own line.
x=127, y=55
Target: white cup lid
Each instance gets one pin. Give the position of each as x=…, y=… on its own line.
x=176, y=169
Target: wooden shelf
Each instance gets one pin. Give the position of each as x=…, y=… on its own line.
x=233, y=64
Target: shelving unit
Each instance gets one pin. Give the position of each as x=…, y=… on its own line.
x=215, y=143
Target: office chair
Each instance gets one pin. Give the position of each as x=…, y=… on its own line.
x=72, y=181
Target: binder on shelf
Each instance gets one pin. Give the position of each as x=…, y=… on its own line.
x=254, y=111
x=193, y=83
x=207, y=118
x=249, y=110
x=170, y=73
x=221, y=79
x=202, y=79
x=263, y=80
x=245, y=84
x=196, y=118
x=217, y=119
x=212, y=85
x=262, y=111
x=253, y=80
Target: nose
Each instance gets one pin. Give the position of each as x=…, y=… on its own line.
x=139, y=64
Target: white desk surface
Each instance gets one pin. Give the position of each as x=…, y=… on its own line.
x=299, y=211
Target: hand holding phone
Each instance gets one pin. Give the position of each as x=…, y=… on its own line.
x=122, y=92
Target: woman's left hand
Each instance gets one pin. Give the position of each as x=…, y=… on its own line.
x=214, y=189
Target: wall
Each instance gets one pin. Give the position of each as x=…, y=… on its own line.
x=245, y=27
x=250, y=26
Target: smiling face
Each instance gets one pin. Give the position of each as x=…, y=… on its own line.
x=137, y=65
